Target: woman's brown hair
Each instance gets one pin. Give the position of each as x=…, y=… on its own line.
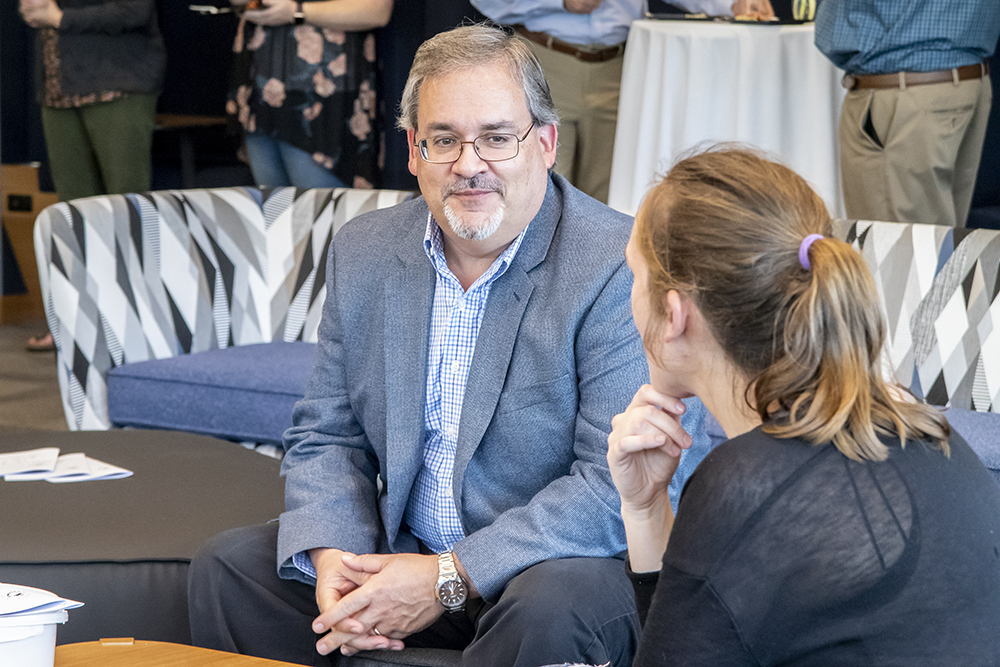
x=724, y=228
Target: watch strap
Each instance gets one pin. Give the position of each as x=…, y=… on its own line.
x=299, y=16
x=447, y=572
x=446, y=566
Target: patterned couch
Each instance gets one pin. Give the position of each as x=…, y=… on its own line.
x=191, y=310
x=134, y=278
x=939, y=286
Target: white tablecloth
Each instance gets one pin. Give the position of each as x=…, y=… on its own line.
x=687, y=82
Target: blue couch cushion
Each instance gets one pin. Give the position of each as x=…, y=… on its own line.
x=239, y=393
x=982, y=431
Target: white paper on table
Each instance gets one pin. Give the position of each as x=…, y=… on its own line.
x=22, y=600
x=32, y=460
x=73, y=468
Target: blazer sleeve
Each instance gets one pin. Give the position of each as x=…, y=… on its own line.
x=576, y=514
x=330, y=468
x=112, y=17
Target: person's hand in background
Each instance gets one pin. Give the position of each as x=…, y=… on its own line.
x=581, y=6
x=41, y=13
x=754, y=9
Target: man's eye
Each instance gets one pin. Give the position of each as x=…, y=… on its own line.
x=497, y=140
x=443, y=142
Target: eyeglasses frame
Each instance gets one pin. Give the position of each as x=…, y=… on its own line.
x=422, y=150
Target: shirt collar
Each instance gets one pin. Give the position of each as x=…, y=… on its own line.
x=434, y=247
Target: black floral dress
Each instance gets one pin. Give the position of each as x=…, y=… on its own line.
x=313, y=88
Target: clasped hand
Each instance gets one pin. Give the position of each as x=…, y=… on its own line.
x=358, y=593
x=644, y=449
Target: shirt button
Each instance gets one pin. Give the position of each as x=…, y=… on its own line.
x=455, y=367
x=450, y=431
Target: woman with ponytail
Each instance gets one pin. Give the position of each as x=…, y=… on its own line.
x=842, y=523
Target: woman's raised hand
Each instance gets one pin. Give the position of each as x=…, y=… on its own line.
x=644, y=449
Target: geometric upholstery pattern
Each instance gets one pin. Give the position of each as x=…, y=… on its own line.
x=939, y=287
x=135, y=277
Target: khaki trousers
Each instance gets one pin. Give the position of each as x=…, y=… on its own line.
x=101, y=148
x=586, y=95
x=912, y=155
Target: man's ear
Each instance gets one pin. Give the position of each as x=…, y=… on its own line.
x=414, y=155
x=548, y=137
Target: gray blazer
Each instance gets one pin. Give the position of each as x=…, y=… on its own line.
x=557, y=357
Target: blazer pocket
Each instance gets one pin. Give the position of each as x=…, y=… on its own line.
x=517, y=398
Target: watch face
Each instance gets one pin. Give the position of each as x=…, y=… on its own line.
x=452, y=593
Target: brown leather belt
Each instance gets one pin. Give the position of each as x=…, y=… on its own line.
x=903, y=80
x=586, y=55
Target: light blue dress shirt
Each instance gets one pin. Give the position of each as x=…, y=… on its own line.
x=455, y=319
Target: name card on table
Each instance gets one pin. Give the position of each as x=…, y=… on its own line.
x=46, y=464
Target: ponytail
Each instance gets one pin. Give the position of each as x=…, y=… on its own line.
x=826, y=383
x=794, y=309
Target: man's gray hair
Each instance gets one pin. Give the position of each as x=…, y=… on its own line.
x=473, y=46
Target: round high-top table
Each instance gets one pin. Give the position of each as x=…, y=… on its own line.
x=122, y=547
x=687, y=83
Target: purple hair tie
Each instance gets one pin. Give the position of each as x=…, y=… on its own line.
x=804, y=250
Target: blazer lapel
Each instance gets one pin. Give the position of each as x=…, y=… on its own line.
x=408, y=301
x=498, y=332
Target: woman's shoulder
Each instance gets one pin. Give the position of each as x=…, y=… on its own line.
x=734, y=483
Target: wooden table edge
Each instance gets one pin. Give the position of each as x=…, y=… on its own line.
x=141, y=653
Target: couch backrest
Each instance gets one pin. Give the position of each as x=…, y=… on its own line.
x=939, y=287
x=133, y=277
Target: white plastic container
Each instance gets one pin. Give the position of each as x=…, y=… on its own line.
x=29, y=640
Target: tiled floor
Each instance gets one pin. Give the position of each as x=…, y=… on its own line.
x=29, y=386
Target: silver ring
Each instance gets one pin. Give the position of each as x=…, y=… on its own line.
x=375, y=630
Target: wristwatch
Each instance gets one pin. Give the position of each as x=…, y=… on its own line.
x=299, y=16
x=451, y=590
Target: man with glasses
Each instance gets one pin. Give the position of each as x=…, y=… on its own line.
x=447, y=483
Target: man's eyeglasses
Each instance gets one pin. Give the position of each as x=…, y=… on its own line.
x=492, y=147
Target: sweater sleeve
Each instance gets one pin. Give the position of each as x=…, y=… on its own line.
x=687, y=623
x=643, y=585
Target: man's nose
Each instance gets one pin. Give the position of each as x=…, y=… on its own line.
x=469, y=163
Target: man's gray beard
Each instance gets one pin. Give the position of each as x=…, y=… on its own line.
x=470, y=232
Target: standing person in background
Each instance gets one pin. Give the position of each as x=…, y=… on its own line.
x=305, y=91
x=915, y=116
x=581, y=46
x=100, y=67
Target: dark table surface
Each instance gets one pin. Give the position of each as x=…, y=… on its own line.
x=202, y=484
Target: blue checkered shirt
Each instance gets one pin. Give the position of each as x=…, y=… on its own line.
x=886, y=36
x=455, y=318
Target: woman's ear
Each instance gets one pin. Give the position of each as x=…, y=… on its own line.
x=676, y=322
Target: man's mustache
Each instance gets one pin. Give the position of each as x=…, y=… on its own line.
x=477, y=182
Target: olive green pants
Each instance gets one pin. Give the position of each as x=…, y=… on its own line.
x=912, y=155
x=101, y=148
